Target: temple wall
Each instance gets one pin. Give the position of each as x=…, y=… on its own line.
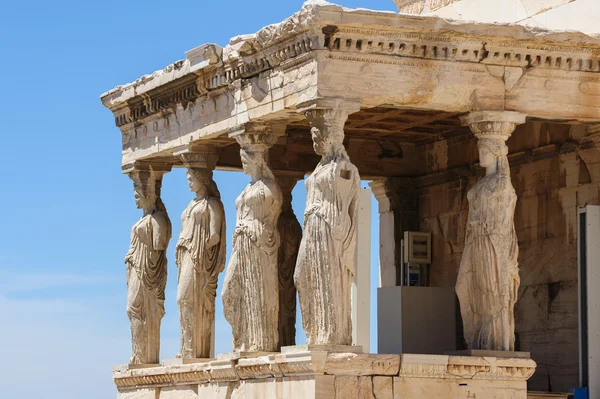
x=552, y=181
x=580, y=15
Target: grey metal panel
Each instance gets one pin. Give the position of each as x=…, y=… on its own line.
x=416, y=320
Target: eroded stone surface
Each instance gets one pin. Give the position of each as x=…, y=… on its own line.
x=359, y=364
x=251, y=287
x=325, y=267
x=383, y=387
x=200, y=257
x=146, y=267
x=488, y=279
x=420, y=374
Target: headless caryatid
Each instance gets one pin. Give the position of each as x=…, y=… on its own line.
x=200, y=257
x=290, y=233
x=251, y=287
x=146, y=266
x=325, y=267
x=488, y=278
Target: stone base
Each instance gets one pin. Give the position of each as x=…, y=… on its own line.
x=132, y=366
x=179, y=361
x=322, y=375
x=322, y=348
x=240, y=355
x=485, y=353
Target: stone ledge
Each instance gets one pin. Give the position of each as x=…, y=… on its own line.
x=311, y=364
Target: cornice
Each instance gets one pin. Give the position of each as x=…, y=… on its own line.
x=351, y=35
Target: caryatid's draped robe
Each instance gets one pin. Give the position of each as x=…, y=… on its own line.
x=325, y=267
x=488, y=279
x=199, y=267
x=146, y=267
x=251, y=287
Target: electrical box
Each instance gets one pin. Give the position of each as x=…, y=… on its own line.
x=417, y=247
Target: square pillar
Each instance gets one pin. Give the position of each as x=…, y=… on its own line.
x=398, y=212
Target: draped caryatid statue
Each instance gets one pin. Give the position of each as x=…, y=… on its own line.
x=146, y=267
x=200, y=257
x=488, y=278
x=251, y=287
x=325, y=266
x=290, y=233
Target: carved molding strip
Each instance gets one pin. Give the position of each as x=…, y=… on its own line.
x=319, y=363
x=442, y=47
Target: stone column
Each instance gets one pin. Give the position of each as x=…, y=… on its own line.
x=146, y=262
x=200, y=253
x=251, y=288
x=397, y=213
x=488, y=278
x=290, y=232
x=325, y=267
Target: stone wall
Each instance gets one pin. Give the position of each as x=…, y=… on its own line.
x=554, y=171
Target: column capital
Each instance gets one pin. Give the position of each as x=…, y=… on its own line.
x=157, y=168
x=259, y=136
x=201, y=156
x=493, y=124
x=347, y=105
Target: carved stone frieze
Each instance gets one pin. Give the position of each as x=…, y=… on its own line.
x=223, y=370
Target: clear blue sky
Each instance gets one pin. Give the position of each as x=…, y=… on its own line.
x=68, y=210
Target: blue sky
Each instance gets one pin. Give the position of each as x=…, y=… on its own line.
x=68, y=210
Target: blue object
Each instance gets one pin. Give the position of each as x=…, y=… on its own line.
x=580, y=393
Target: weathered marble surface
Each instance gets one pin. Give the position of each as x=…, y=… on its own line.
x=251, y=287
x=325, y=267
x=200, y=257
x=488, y=279
x=146, y=267
x=576, y=15
x=312, y=375
x=290, y=233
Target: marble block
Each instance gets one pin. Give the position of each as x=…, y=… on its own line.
x=486, y=353
x=179, y=361
x=322, y=348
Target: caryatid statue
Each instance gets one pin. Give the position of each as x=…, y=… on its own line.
x=290, y=233
x=250, y=291
x=488, y=278
x=325, y=267
x=200, y=257
x=146, y=266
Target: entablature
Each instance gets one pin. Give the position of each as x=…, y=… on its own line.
x=381, y=59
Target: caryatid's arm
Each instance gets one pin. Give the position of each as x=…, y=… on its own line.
x=216, y=222
x=161, y=231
